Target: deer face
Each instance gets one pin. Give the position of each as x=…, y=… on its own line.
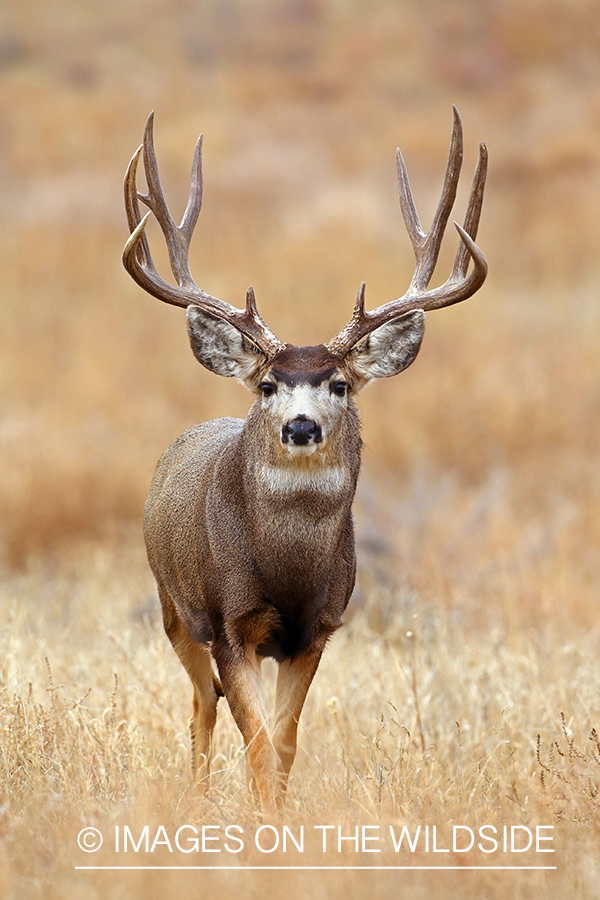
x=304, y=397
x=304, y=391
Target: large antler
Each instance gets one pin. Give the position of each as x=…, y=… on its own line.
x=138, y=260
x=459, y=286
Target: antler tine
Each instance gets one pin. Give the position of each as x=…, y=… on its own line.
x=178, y=239
x=138, y=260
x=473, y=214
x=132, y=208
x=426, y=247
x=194, y=205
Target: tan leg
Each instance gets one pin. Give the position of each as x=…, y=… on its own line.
x=242, y=685
x=204, y=710
x=293, y=681
x=250, y=778
x=196, y=660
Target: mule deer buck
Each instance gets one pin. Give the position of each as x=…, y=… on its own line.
x=248, y=524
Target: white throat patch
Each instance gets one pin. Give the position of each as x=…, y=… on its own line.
x=328, y=480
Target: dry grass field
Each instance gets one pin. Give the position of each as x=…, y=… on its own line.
x=465, y=687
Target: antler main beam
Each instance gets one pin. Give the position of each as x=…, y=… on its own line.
x=137, y=258
x=426, y=246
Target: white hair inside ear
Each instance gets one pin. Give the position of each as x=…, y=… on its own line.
x=389, y=349
x=221, y=347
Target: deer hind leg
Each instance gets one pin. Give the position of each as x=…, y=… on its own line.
x=241, y=678
x=250, y=779
x=293, y=681
x=196, y=660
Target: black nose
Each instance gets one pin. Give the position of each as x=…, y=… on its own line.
x=301, y=430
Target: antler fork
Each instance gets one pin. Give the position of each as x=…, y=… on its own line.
x=137, y=258
x=426, y=246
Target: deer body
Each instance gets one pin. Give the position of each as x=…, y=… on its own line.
x=248, y=524
x=248, y=539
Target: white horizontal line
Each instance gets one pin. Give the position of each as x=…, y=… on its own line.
x=316, y=868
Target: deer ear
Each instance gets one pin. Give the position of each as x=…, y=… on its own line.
x=221, y=347
x=388, y=350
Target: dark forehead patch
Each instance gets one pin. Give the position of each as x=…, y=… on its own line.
x=304, y=365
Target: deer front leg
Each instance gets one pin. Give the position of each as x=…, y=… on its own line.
x=240, y=675
x=293, y=681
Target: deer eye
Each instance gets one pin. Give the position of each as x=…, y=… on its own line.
x=339, y=388
x=268, y=388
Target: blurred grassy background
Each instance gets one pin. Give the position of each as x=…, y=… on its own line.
x=478, y=511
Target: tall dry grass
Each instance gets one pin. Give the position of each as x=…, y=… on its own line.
x=415, y=718
x=477, y=514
